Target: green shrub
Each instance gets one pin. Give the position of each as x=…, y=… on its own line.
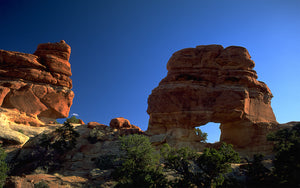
x=63, y=139
x=3, y=167
x=73, y=119
x=52, y=145
x=202, y=170
x=214, y=164
x=96, y=135
x=140, y=165
x=46, y=151
x=286, y=162
x=181, y=160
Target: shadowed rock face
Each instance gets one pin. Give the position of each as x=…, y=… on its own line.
x=212, y=84
x=38, y=84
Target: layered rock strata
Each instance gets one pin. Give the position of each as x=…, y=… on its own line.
x=212, y=84
x=37, y=84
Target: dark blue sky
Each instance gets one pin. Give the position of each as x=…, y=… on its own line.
x=120, y=48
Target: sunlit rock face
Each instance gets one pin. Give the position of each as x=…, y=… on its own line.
x=212, y=84
x=37, y=84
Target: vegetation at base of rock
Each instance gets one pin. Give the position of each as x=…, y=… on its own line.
x=105, y=162
x=202, y=170
x=214, y=164
x=63, y=139
x=41, y=184
x=286, y=170
x=96, y=135
x=73, y=119
x=140, y=164
x=257, y=174
x=3, y=167
x=286, y=162
x=180, y=160
x=47, y=151
x=201, y=134
x=131, y=161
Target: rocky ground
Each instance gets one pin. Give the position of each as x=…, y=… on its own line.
x=78, y=167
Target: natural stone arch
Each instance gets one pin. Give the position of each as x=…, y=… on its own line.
x=212, y=84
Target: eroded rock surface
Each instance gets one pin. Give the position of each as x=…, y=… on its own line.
x=212, y=84
x=37, y=84
x=124, y=126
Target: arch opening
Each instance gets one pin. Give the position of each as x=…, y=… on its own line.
x=213, y=131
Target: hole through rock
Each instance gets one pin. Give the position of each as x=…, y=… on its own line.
x=213, y=131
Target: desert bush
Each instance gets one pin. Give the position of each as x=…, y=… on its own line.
x=214, y=164
x=182, y=161
x=73, y=119
x=96, y=135
x=63, y=139
x=60, y=141
x=46, y=151
x=140, y=164
x=287, y=155
x=3, y=167
x=202, y=170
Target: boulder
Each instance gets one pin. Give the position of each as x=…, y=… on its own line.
x=124, y=126
x=13, y=127
x=212, y=84
x=118, y=123
x=80, y=121
x=94, y=124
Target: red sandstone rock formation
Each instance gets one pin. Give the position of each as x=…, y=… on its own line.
x=38, y=84
x=93, y=124
x=124, y=126
x=212, y=84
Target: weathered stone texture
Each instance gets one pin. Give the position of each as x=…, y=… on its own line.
x=124, y=126
x=38, y=84
x=212, y=84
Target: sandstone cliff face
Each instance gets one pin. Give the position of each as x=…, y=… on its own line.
x=212, y=84
x=37, y=84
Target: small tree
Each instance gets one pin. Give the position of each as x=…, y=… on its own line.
x=62, y=139
x=181, y=160
x=201, y=134
x=140, y=165
x=214, y=164
x=73, y=119
x=47, y=150
x=287, y=148
x=202, y=170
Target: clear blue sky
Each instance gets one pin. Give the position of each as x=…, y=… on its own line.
x=120, y=48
